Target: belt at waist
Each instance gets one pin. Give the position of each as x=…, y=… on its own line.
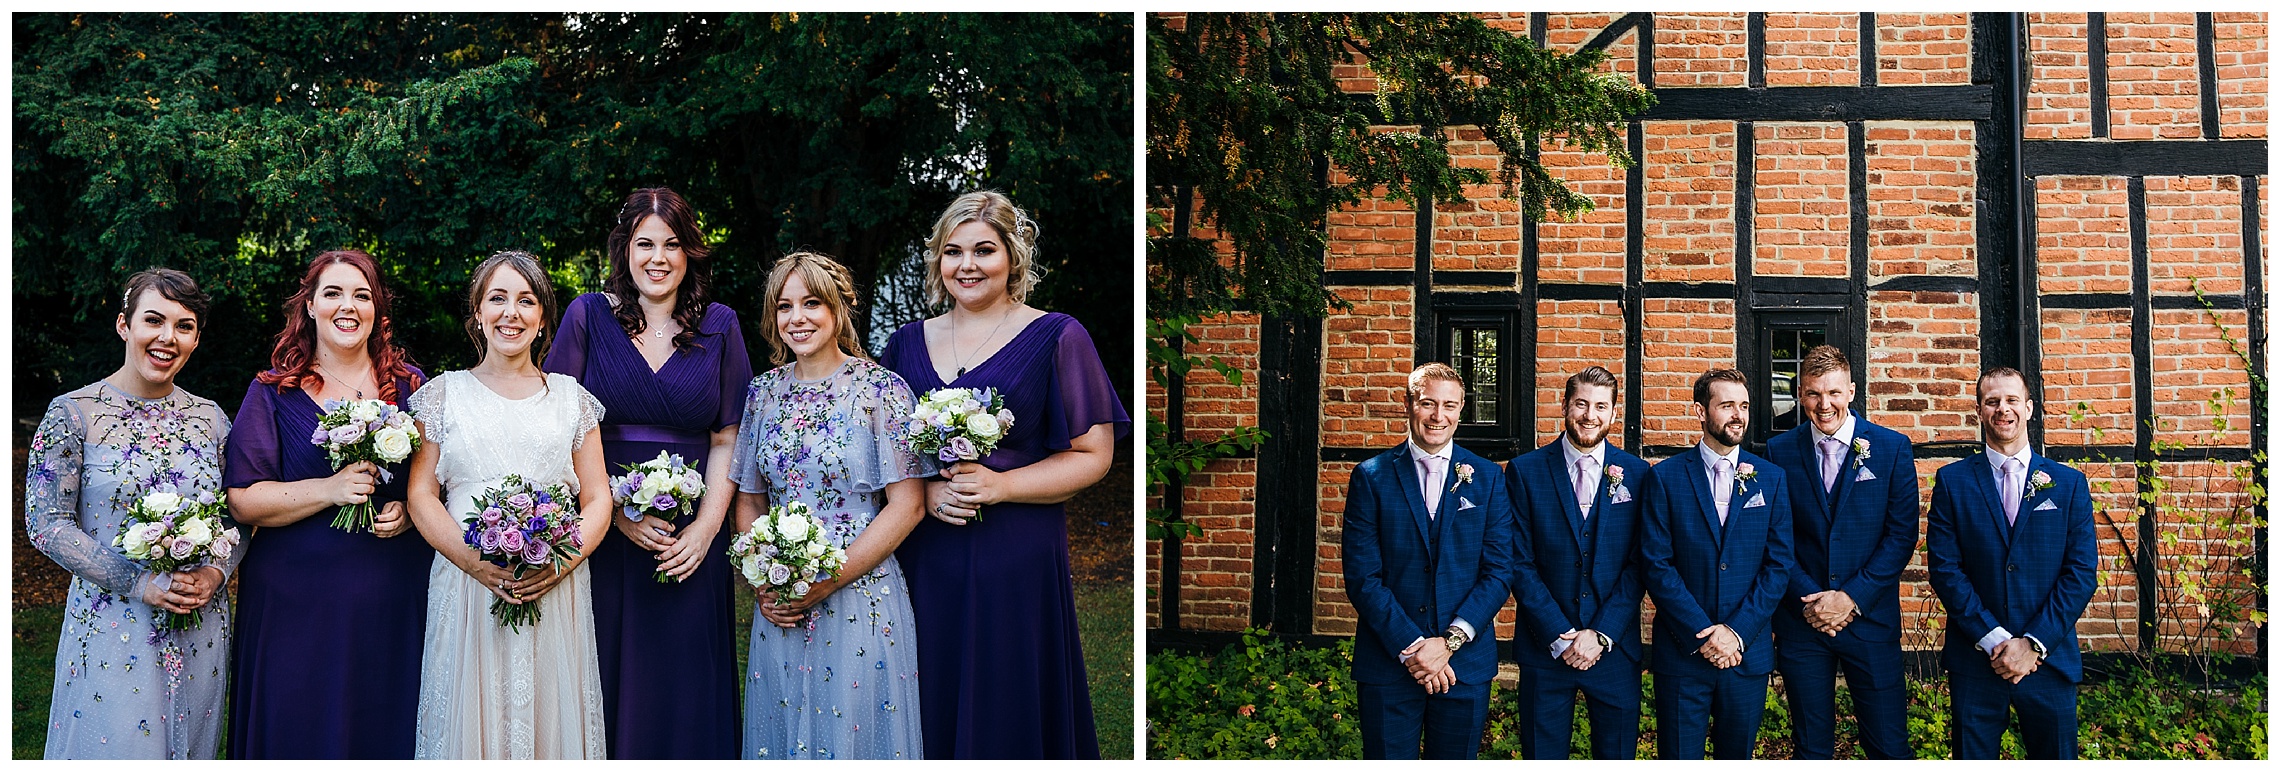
x=653, y=433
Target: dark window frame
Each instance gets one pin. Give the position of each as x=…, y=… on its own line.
x=1509, y=394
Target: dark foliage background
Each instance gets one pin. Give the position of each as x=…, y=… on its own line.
x=237, y=146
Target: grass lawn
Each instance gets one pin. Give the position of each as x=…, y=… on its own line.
x=34, y=653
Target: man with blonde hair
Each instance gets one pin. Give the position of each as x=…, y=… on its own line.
x=1427, y=549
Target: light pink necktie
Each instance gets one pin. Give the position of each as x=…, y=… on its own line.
x=1832, y=453
x=1428, y=474
x=2012, y=491
x=1722, y=486
x=1586, y=483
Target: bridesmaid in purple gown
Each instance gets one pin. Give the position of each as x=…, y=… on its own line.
x=329, y=622
x=670, y=370
x=1001, y=672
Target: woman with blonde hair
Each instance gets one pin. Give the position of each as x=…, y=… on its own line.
x=833, y=672
x=990, y=582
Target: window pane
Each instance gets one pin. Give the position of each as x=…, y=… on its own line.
x=1784, y=353
x=1474, y=355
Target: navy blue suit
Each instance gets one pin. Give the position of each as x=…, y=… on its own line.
x=1856, y=539
x=1573, y=573
x=1410, y=575
x=1702, y=574
x=2032, y=579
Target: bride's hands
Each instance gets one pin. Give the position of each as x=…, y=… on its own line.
x=497, y=580
x=535, y=583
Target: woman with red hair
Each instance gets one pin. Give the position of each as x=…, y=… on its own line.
x=330, y=622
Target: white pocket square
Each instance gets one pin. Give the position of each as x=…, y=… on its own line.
x=1756, y=500
x=1864, y=475
x=2047, y=504
x=1621, y=495
x=1464, y=503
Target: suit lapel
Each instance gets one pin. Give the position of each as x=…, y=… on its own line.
x=1556, y=464
x=1845, y=470
x=1700, y=476
x=1405, y=474
x=1991, y=496
x=2032, y=499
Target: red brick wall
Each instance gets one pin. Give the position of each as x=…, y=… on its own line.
x=1923, y=49
x=2152, y=80
x=1812, y=49
x=1922, y=177
x=1804, y=212
x=2242, y=48
x=2058, y=70
x=1689, y=206
x=1695, y=50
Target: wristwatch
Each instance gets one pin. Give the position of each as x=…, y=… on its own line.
x=2040, y=652
x=1604, y=641
x=1455, y=638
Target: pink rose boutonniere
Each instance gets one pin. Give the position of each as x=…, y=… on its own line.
x=2037, y=483
x=1860, y=451
x=1744, y=473
x=1464, y=475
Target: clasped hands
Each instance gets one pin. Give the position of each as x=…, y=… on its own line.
x=354, y=484
x=185, y=591
x=1829, y=611
x=1724, y=648
x=1429, y=663
x=677, y=553
x=966, y=487
x=2014, y=659
x=1583, y=649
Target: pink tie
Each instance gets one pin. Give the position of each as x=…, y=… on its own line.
x=2012, y=491
x=1586, y=483
x=1428, y=474
x=1722, y=486
x=1832, y=453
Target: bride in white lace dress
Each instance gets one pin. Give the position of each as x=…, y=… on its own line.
x=487, y=691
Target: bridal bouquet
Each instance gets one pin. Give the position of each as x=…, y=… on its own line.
x=352, y=430
x=169, y=532
x=786, y=552
x=522, y=526
x=664, y=487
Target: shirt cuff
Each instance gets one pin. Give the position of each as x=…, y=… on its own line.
x=1992, y=639
x=1412, y=644
x=1560, y=645
x=1461, y=624
x=2041, y=652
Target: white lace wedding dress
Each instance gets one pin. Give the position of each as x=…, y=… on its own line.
x=487, y=692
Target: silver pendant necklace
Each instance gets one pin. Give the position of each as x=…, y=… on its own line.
x=977, y=349
x=343, y=381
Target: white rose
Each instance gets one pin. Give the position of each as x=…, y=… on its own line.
x=692, y=484
x=792, y=526
x=752, y=572
x=983, y=425
x=948, y=396
x=162, y=502
x=197, y=531
x=364, y=411
x=135, y=542
x=815, y=549
x=393, y=445
x=801, y=588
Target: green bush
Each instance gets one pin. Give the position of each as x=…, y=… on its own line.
x=1262, y=699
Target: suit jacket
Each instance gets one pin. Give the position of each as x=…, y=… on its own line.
x=2032, y=578
x=1410, y=575
x=1569, y=572
x=1701, y=574
x=1856, y=538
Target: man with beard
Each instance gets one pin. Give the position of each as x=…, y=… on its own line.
x=1853, y=484
x=1576, y=576
x=2013, y=555
x=1716, y=552
x=1427, y=548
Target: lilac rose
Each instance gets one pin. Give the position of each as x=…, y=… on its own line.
x=319, y=436
x=347, y=434
x=964, y=448
x=181, y=549
x=521, y=502
x=663, y=503
x=488, y=540
x=779, y=574
x=535, y=553
x=511, y=542
x=492, y=515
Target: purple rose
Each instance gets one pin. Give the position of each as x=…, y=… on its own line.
x=511, y=542
x=535, y=553
x=1005, y=417
x=779, y=574
x=319, y=436
x=663, y=503
x=633, y=481
x=488, y=540
x=521, y=502
x=181, y=549
x=491, y=515
x=946, y=454
x=964, y=448
x=346, y=434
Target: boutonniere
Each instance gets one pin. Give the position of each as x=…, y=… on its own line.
x=1744, y=473
x=1616, y=493
x=1860, y=451
x=2036, y=483
x=1464, y=475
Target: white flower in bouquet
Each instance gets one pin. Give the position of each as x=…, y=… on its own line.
x=792, y=526
x=816, y=549
x=163, y=502
x=135, y=541
x=364, y=411
x=982, y=426
x=393, y=444
x=196, y=532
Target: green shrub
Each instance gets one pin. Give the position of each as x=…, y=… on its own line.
x=2150, y=714
x=1261, y=699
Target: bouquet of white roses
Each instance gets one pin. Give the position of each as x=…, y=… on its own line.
x=522, y=527
x=786, y=552
x=352, y=430
x=662, y=487
x=168, y=532
x=959, y=424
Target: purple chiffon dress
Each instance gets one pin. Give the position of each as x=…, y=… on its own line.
x=329, y=622
x=668, y=651
x=1001, y=674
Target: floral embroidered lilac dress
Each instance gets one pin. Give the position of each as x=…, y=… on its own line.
x=846, y=684
x=122, y=690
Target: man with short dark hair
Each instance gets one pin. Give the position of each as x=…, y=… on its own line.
x=1576, y=576
x=1427, y=549
x=1716, y=551
x=1853, y=488
x=2013, y=553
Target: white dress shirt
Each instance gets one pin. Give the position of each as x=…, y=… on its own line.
x=1720, y=494
x=1434, y=479
x=1844, y=438
x=1569, y=452
x=1995, y=459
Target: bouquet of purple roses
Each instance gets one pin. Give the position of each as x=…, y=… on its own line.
x=521, y=526
x=663, y=487
x=170, y=532
x=352, y=430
